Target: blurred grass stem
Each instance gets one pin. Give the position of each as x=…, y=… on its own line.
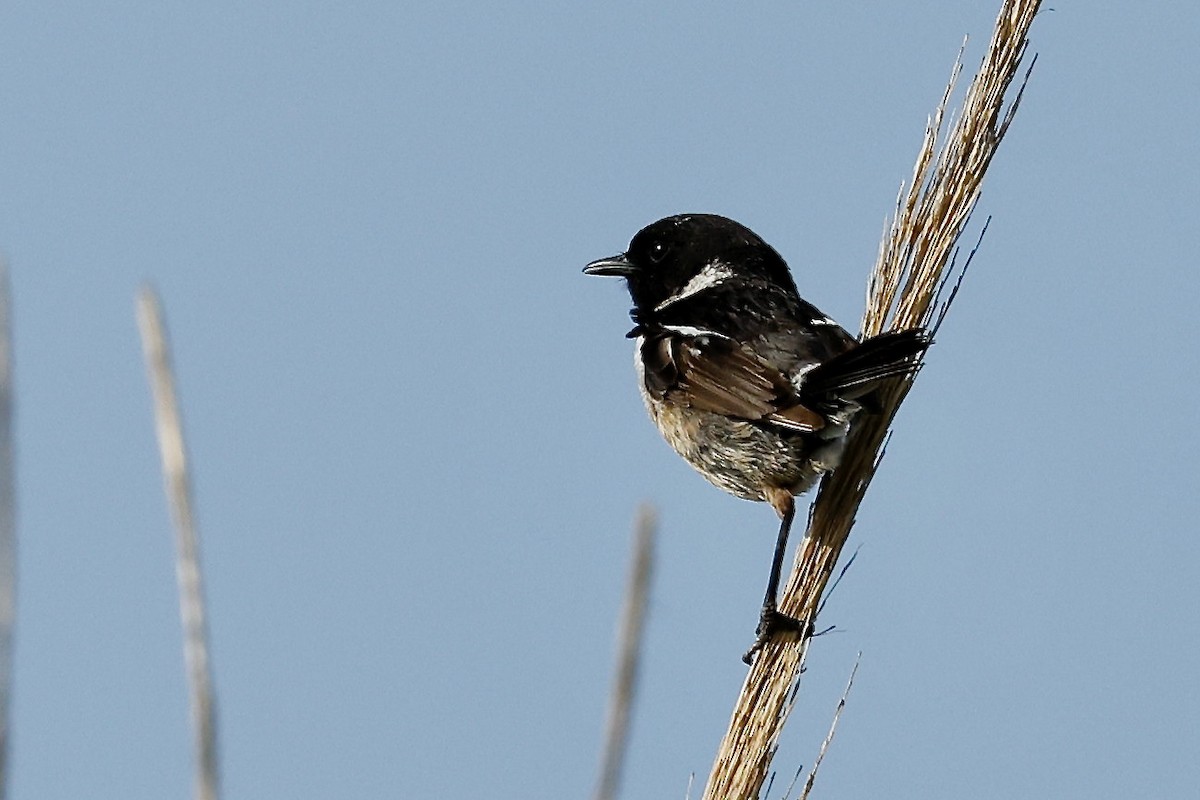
x=168, y=424
x=8, y=526
x=629, y=649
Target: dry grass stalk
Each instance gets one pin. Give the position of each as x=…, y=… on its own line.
x=156, y=351
x=837, y=716
x=8, y=527
x=629, y=648
x=914, y=260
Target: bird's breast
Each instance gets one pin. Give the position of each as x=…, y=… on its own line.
x=736, y=455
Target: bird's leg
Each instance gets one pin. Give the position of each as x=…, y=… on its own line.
x=785, y=505
x=771, y=621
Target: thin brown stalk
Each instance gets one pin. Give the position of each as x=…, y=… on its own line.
x=837, y=716
x=914, y=259
x=8, y=526
x=629, y=649
x=177, y=483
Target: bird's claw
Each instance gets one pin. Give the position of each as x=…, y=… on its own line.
x=771, y=624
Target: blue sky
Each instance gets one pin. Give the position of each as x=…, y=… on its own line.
x=418, y=445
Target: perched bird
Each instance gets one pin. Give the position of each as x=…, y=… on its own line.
x=752, y=385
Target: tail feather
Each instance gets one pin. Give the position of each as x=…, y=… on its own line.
x=859, y=370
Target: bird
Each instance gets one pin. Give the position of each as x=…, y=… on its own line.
x=751, y=384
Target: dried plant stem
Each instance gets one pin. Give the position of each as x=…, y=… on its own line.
x=8, y=527
x=913, y=262
x=629, y=648
x=837, y=716
x=157, y=354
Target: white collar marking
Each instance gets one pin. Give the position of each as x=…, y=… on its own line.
x=714, y=272
x=689, y=330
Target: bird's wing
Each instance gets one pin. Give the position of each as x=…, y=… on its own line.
x=714, y=373
x=859, y=370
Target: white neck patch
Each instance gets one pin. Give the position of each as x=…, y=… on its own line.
x=711, y=275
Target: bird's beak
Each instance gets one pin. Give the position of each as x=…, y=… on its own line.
x=617, y=266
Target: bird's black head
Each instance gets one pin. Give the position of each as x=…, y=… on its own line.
x=683, y=254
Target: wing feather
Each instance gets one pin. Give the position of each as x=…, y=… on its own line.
x=714, y=373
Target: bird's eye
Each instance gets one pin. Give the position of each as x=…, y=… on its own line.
x=658, y=251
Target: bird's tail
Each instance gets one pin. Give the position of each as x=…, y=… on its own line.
x=859, y=370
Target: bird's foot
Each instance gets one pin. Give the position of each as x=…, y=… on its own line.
x=773, y=623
